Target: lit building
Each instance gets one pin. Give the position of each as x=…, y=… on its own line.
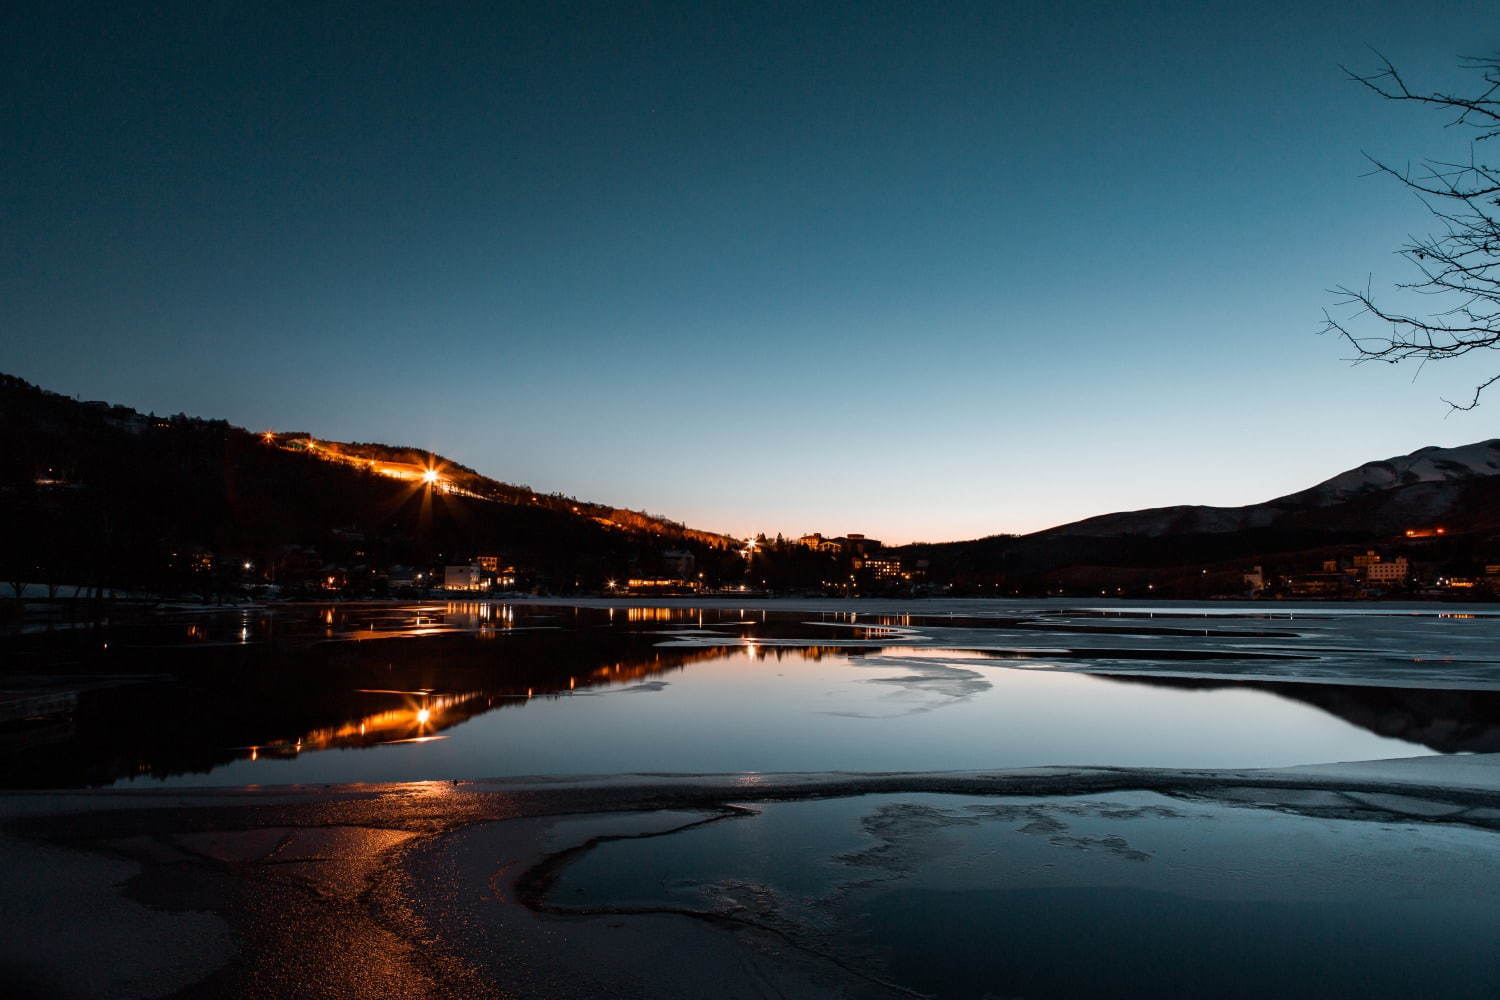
x=464, y=578
x=883, y=567
x=853, y=543
x=1394, y=571
x=660, y=585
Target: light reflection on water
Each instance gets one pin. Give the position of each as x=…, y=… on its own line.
x=786, y=709
x=470, y=689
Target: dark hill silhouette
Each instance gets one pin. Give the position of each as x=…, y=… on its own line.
x=104, y=496
x=1399, y=503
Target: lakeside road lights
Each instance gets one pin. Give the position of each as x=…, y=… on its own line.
x=430, y=476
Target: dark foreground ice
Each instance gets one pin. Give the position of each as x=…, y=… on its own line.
x=1366, y=880
x=1131, y=894
x=940, y=863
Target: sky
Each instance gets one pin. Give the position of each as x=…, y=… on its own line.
x=921, y=271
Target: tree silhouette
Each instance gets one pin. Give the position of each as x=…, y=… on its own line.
x=1459, y=264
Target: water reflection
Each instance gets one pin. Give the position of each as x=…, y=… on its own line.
x=423, y=715
x=198, y=693
x=1441, y=719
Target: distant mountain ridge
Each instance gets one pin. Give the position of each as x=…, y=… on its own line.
x=1422, y=485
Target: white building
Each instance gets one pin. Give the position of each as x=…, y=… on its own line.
x=466, y=578
x=1394, y=571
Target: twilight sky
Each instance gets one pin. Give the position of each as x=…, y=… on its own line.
x=925, y=271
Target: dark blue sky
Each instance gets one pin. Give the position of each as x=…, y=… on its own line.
x=913, y=269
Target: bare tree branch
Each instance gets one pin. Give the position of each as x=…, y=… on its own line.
x=1461, y=261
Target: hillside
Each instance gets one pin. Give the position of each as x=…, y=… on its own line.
x=416, y=465
x=1437, y=505
x=1415, y=488
x=104, y=495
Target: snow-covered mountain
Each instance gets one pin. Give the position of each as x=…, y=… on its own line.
x=1418, y=486
x=1425, y=465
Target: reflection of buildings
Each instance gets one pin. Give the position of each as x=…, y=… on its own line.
x=418, y=716
x=663, y=615
x=339, y=675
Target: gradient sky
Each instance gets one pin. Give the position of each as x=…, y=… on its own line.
x=925, y=271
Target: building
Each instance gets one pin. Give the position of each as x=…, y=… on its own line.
x=883, y=567
x=496, y=572
x=1370, y=558
x=660, y=585
x=468, y=578
x=818, y=543
x=1393, y=572
x=1316, y=585
x=850, y=544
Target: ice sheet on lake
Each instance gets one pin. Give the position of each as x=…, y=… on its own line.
x=1434, y=647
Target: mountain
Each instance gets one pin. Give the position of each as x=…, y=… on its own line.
x=1406, y=490
x=106, y=496
x=414, y=464
x=1439, y=506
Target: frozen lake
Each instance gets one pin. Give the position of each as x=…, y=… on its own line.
x=1128, y=895
x=464, y=690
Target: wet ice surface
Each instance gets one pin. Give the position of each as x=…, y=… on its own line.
x=354, y=692
x=1130, y=894
x=1431, y=647
x=745, y=711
